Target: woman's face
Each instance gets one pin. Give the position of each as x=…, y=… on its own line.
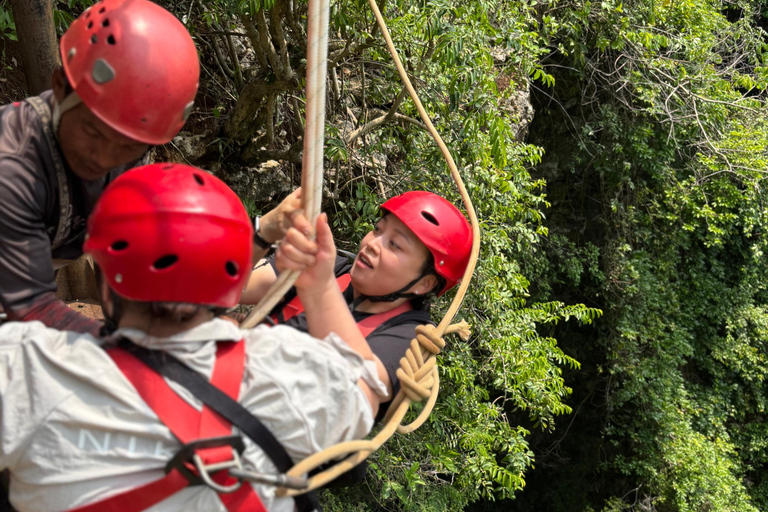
x=389, y=258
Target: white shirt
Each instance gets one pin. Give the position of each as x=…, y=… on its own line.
x=73, y=430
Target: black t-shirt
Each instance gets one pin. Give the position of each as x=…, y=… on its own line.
x=389, y=341
x=29, y=195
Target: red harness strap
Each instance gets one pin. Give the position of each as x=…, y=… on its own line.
x=366, y=325
x=188, y=425
x=295, y=307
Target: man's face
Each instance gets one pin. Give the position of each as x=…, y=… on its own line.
x=91, y=148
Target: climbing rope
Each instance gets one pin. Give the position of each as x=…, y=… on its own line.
x=418, y=374
x=314, y=138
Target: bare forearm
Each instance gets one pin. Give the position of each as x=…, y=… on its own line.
x=327, y=312
x=262, y=277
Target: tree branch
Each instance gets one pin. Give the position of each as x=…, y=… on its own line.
x=300, y=37
x=238, y=73
x=223, y=33
x=278, y=35
x=266, y=44
x=253, y=36
x=392, y=112
x=220, y=60
x=291, y=154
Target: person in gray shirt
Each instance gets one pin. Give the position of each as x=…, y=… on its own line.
x=116, y=95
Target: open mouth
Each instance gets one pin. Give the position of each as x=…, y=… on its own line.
x=364, y=261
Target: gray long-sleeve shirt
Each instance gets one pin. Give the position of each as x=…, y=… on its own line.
x=29, y=216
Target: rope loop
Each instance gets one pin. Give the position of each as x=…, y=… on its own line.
x=416, y=373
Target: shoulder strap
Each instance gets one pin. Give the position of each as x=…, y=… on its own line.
x=65, y=199
x=366, y=325
x=369, y=324
x=295, y=307
x=229, y=409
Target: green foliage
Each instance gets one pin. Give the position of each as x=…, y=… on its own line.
x=665, y=106
x=469, y=450
x=7, y=25
x=653, y=117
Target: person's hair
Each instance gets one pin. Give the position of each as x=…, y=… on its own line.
x=424, y=302
x=179, y=312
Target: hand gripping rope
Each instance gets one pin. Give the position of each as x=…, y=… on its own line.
x=418, y=373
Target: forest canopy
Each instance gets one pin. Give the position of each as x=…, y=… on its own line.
x=616, y=155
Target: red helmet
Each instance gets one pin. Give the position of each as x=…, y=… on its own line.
x=135, y=67
x=440, y=226
x=172, y=233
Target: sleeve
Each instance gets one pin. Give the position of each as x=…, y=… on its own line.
x=26, y=270
x=27, y=282
x=20, y=412
x=390, y=343
x=52, y=312
x=314, y=400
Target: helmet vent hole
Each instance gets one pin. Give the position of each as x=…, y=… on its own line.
x=90, y=25
x=165, y=262
x=430, y=218
x=94, y=39
x=199, y=179
x=111, y=39
x=232, y=268
x=166, y=167
x=119, y=245
x=101, y=11
x=105, y=23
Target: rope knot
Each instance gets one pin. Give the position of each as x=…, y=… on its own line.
x=416, y=368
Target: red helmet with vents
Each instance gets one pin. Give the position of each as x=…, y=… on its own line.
x=135, y=67
x=172, y=233
x=440, y=226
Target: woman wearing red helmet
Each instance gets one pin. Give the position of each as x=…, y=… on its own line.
x=144, y=419
x=419, y=248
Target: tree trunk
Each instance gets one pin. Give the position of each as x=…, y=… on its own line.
x=37, y=42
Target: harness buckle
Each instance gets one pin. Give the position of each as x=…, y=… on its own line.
x=279, y=480
x=186, y=459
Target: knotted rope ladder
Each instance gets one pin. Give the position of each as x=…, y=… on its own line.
x=418, y=372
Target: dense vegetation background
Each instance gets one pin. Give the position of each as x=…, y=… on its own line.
x=616, y=156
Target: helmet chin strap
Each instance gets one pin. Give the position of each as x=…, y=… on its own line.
x=391, y=297
x=68, y=103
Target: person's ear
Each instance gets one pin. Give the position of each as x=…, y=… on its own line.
x=425, y=285
x=59, y=84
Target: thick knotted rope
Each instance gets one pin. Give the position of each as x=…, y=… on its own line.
x=415, y=373
x=418, y=375
x=418, y=380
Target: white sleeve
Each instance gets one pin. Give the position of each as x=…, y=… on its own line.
x=308, y=395
x=19, y=416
